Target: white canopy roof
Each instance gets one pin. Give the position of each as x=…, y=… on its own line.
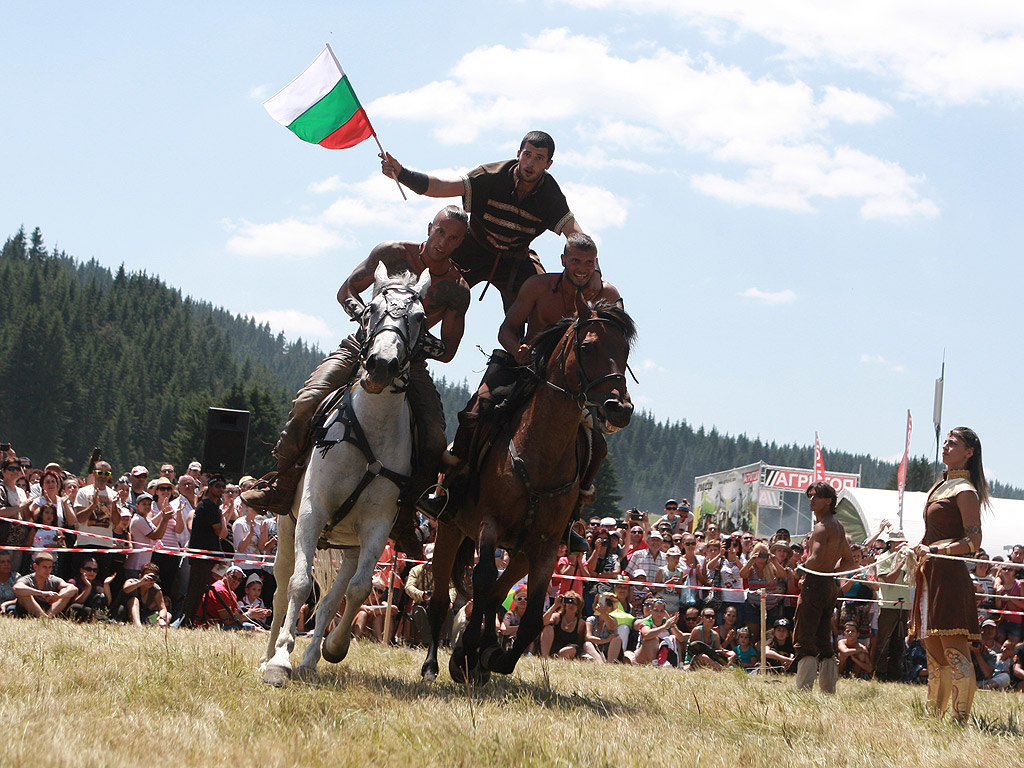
x=1002, y=524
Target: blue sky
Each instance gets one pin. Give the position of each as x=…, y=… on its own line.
x=804, y=204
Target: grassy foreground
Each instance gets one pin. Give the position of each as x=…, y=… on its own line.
x=104, y=695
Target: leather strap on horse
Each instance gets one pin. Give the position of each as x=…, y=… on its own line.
x=519, y=466
x=355, y=435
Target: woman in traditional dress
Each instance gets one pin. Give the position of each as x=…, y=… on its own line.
x=945, y=613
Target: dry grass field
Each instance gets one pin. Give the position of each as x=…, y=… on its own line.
x=120, y=696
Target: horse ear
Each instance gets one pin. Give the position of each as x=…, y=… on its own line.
x=582, y=308
x=380, y=274
x=423, y=285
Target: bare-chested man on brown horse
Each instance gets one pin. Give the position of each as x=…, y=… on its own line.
x=543, y=300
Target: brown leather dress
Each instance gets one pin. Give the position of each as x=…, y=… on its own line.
x=945, y=593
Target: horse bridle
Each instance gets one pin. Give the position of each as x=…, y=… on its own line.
x=397, y=307
x=583, y=396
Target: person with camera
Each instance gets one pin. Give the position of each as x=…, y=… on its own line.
x=651, y=559
x=96, y=507
x=565, y=632
x=14, y=505
x=603, y=561
x=144, y=601
x=654, y=631
x=604, y=641
x=145, y=534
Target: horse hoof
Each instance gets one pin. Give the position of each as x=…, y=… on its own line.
x=429, y=673
x=486, y=655
x=276, y=676
x=334, y=656
x=455, y=666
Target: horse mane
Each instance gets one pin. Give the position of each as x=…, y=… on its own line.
x=404, y=279
x=546, y=341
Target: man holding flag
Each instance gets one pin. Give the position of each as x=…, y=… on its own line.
x=510, y=204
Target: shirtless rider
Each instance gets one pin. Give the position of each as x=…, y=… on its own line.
x=446, y=302
x=543, y=299
x=828, y=551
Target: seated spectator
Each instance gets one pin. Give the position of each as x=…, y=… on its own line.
x=854, y=656
x=779, y=652
x=727, y=626
x=40, y=593
x=705, y=647
x=144, y=601
x=565, y=632
x=985, y=658
x=7, y=578
x=219, y=606
x=655, y=631
x=510, y=624
x=92, y=599
x=369, y=619
x=420, y=586
x=1017, y=667
x=744, y=653
x=603, y=631
x=252, y=603
x=1002, y=673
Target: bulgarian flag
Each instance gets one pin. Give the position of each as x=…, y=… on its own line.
x=319, y=106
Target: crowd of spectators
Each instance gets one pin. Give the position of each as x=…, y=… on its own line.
x=658, y=591
x=116, y=523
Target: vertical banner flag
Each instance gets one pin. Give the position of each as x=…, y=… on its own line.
x=319, y=106
x=819, y=462
x=901, y=474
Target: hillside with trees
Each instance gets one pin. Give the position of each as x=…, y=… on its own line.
x=122, y=361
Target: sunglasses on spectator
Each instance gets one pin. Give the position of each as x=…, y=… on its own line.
x=13, y=466
x=89, y=568
x=708, y=615
x=693, y=618
x=103, y=472
x=520, y=599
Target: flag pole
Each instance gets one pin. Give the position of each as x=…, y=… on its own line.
x=373, y=131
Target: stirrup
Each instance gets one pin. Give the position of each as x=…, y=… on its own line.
x=436, y=507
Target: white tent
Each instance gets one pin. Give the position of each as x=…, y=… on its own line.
x=1002, y=524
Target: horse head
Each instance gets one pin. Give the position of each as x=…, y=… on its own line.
x=391, y=326
x=588, y=355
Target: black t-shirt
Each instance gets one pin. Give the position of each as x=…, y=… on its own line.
x=503, y=222
x=203, y=536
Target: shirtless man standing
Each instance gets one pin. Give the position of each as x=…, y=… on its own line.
x=827, y=551
x=446, y=302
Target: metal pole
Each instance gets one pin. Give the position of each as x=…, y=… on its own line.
x=387, y=611
x=764, y=632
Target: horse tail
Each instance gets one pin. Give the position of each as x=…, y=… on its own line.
x=462, y=570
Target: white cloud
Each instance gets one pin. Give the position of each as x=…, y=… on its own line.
x=290, y=238
x=775, y=133
x=945, y=51
x=595, y=207
x=295, y=324
x=878, y=360
x=770, y=298
x=260, y=93
x=330, y=184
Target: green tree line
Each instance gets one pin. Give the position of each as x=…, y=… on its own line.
x=124, y=362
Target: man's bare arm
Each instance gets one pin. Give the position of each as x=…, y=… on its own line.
x=362, y=276
x=510, y=334
x=436, y=187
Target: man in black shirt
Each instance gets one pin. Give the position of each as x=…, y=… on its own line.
x=207, y=530
x=510, y=204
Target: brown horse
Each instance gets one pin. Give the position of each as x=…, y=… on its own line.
x=528, y=492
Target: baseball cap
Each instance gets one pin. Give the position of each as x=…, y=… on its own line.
x=139, y=471
x=654, y=535
x=42, y=556
x=989, y=623
x=196, y=466
x=253, y=579
x=234, y=569
x=674, y=552
x=143, y=497
x=608, y=522
x=671, y=501
x=781, y=623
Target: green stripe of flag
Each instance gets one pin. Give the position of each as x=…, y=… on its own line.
x=327, y=115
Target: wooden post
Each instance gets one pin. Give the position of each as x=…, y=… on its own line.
x=387, y=611
x=764, y=632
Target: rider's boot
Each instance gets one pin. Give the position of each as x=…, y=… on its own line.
x=404, y=531
x=574, y=542
x=275, y=492
x=444, y=503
